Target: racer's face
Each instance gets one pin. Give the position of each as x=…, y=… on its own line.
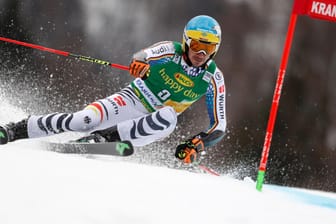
x=197, y=59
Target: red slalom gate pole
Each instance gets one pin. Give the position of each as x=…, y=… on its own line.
x=275, y=102
x=321, y=9
x=64, y=53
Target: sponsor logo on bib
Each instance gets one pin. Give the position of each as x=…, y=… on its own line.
x=184, y=80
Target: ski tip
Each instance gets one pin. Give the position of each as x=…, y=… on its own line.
x=3, y=136
x=125, y=148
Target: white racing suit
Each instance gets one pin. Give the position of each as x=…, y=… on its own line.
x=147, y=110
x=123, y=109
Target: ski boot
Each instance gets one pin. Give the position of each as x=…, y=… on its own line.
x=13, y=131
x=106, y=135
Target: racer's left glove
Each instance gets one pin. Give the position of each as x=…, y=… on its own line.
x=187, y=151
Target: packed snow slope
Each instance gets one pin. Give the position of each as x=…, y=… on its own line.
x=38, y=187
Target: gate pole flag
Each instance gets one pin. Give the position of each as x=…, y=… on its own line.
x=319, y=9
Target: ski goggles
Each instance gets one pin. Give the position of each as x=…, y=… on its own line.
x=198, y=46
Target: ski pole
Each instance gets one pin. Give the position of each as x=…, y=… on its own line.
x=208, y=170
x=198, y=165
x=64, y=53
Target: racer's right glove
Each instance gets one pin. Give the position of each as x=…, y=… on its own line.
x=187, y=151
x=139, y=69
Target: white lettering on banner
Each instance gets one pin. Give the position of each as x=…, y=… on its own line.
x=323, y=9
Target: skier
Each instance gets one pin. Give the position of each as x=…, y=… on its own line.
x=169, y=77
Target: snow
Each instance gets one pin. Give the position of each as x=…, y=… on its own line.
x=39, y=186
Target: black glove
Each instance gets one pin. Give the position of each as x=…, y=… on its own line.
x=187, y=151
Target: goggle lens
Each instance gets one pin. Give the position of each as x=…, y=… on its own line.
x=198, y=46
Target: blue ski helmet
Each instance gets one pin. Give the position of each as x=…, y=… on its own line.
x=202, y=28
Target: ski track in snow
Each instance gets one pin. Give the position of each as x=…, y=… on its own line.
x=39, y=186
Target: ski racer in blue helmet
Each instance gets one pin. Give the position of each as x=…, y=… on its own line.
x=169, y=77
x=202, y=34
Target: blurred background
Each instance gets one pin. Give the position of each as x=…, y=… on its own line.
x=303, y=150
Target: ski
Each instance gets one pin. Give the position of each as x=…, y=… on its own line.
x=119, y=148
